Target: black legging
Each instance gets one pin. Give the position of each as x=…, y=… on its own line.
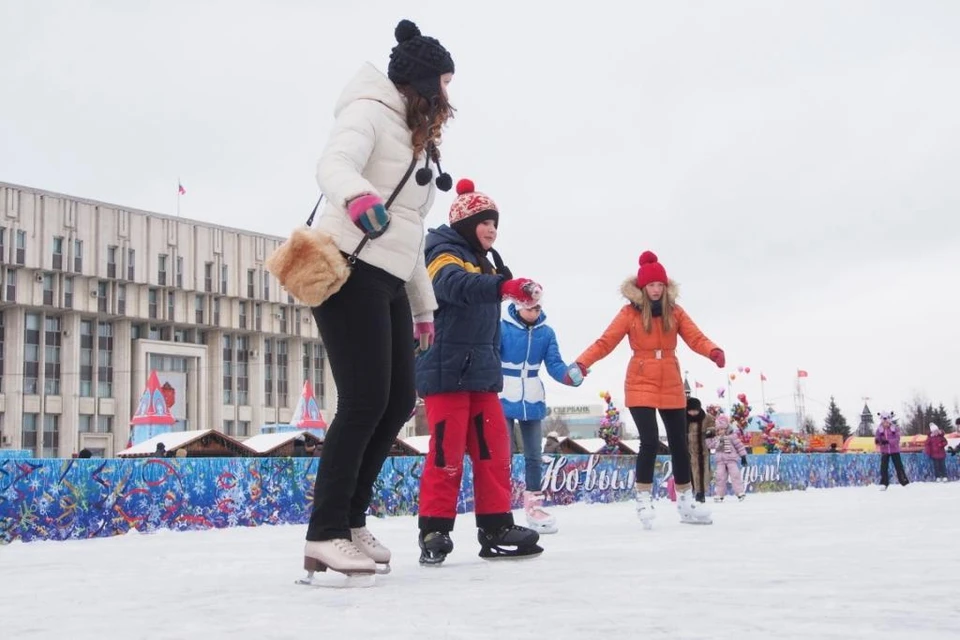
x=367, y=330
x=675, y=423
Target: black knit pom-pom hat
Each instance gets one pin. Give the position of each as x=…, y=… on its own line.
x=418, y=60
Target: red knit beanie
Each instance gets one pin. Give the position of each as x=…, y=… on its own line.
x=650, y=270
x=470, y=202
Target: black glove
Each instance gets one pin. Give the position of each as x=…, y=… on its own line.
x=884, y=441
x=743, y=460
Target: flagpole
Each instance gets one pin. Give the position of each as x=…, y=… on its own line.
x=178, y=196
x=763, y=394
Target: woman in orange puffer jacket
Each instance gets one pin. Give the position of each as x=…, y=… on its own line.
x=653, y=320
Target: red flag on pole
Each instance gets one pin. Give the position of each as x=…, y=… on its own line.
x=180, y=189
x=698, y=385
x=763, y=378
x=802, y=373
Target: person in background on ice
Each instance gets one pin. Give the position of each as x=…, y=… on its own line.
x=459, y=379
x=653, y=320
x=700, y=427
x=728, y=450
x=383, y=122
x=888, y=444
x=936, y=448
x=526, y=343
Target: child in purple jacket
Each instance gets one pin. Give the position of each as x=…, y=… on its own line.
x=729, y=449
x=888, y=444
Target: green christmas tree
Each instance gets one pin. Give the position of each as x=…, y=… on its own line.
x=836, y=424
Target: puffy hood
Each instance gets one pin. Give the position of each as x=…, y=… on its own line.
x=371, y=84
x=634, y=294
x=445, y=235
x=513, y=317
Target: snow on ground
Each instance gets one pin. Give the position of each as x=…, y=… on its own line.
x=837, y=563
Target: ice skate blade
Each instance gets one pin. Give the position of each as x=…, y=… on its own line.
x=341, y=581
x=504, y=554
x=692, y=521
x=647, y=525
x=383, y=569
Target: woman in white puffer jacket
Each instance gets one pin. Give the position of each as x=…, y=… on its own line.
x=383, y=125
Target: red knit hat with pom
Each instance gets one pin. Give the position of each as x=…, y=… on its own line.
x=650, y=270
x=470, y=203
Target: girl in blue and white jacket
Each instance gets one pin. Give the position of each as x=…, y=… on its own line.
x=526, y=343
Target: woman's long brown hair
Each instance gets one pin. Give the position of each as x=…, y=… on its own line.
x=426, y=129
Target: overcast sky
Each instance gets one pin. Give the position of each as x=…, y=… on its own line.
x=796, y=165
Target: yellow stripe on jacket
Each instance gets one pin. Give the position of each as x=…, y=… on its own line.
x=447, y=259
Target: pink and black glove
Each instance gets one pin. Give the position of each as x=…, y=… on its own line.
x=718, y=358
x=575, y=375
x=369, y=214
x=523, y=291
x=424, y=332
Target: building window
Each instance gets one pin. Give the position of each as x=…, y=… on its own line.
x=243, y=370
x=2, y=345
x=258, y=317
x=290, y=299
x=251, y=282
x=52, y=341
x=29, y=438
x=121, y=299
x=103, y=297
x=48, y=289
x=162, y=269
x=105, y=424
x=198, y=309
x=111, y=261
x=131, y=264
x=268, y=372
x=31, y=353
x=3, y=244
x=227, y=370
x=104, y=360
x=243, y=428
x=86, y=358
x=266, y=285
x=283, y=319
x=152, y=303
x=223, y=279
x=208, y=277
x=85, y=424
x=243, y=314
x=77, y=256
x=58, y=253
x=21, y=248
x=51, y=435
x=68, y=292
x=283, y=362
x=228, y=427
x=171, y=298
x=216, y=312
x=319, y=373
x=297, y=321
x=11, y=285
x=179, y=272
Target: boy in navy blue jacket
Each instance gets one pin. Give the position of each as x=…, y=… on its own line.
x=459, y=377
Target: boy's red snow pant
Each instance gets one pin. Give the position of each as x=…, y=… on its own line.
x=473, y=423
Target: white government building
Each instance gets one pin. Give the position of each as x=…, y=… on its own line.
x=94, y=296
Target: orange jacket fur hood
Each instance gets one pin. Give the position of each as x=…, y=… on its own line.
x=653, y=375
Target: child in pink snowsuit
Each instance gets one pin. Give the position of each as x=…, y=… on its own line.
x=728, y=450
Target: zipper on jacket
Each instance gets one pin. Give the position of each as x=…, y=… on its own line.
x=523, y=373
x=463, y=369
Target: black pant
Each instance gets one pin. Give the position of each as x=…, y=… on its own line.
x=940, y=468
x=675, y=423
x=368, y=333
x=885, y=469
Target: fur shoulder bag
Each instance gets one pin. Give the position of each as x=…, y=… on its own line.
x=310, y=266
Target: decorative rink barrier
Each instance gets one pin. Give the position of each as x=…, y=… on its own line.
x=66, y=499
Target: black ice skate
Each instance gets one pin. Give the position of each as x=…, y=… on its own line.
x=434, y=547
x=523, y=540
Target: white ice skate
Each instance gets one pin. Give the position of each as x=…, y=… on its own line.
x=691, y=511
x=883, y=487
x=538, y=519
x=645, y=509
x=340, y=555
x=372, y=548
